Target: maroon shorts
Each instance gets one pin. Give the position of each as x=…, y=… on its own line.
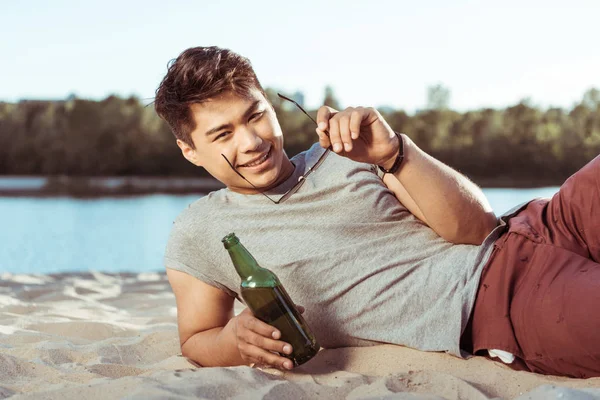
x=539, y=294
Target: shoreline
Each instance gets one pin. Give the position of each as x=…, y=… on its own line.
x=90, y=187
x=114, y=186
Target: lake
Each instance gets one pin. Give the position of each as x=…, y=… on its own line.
x=117, y=234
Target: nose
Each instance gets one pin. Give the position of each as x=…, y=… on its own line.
x=248, y=140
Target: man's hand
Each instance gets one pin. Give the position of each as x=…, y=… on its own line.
x=450, y=204
x=360, y=134
x=258, y=342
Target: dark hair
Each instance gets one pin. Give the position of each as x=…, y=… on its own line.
x=195, y=76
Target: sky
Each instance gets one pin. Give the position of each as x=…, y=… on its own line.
x=373, y=53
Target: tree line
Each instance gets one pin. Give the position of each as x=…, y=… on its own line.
x=521, y=145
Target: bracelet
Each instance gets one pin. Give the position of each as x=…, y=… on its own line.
x=399, y=157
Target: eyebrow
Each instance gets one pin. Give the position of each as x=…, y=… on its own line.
x=225, y=126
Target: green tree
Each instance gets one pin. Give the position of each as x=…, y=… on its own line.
x=330, y=99
x=438, y=97
x=521, y=144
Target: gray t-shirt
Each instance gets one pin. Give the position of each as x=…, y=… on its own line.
x=344, y=247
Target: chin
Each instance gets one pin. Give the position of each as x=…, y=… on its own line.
x=268, y=179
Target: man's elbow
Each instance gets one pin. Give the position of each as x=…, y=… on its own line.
x=473, y=233
x=486, y=226
x=185, y=350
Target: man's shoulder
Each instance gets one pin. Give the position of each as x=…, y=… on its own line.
x=201, y=210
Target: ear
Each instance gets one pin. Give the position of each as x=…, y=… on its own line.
x=189, y=153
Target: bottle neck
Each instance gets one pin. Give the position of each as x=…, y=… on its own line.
x=244, y=263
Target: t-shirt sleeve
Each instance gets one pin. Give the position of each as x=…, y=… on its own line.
x=377, y=171
x=184, y=254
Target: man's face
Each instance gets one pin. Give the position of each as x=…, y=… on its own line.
x=247, y=132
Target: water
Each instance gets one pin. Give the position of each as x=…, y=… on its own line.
x=60, y=234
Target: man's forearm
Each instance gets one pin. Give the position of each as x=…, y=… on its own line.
x=215, y=347
x=453, y=205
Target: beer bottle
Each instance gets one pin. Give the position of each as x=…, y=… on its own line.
x=267, y=299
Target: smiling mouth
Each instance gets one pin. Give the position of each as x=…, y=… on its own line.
x=259, y=161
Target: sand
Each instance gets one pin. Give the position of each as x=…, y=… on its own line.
x=100, y=336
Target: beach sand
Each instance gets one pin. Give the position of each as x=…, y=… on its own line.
x=103, y=336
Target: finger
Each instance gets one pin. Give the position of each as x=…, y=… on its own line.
x=323, y=116
x=334, y=135
x=254, y=324
x=323, y=139
x=261, y=356
x=300, y=308
x=268, y=344
x=345, y=130
x=355, y=121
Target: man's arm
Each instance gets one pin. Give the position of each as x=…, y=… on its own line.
x=211, y=335
x=448, y=202
x=453, y=206
x=202, y=313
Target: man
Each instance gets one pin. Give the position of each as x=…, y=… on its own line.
x=378, y=240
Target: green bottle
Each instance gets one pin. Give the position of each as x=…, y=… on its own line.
x=269, y=302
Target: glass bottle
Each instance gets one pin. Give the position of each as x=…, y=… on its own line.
x=268, y=300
